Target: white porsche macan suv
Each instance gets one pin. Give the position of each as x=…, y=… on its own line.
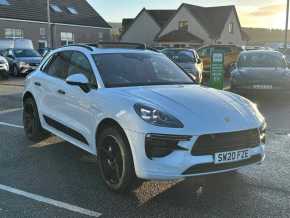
x=141, y=114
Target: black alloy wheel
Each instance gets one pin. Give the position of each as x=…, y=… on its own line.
x=115, y=161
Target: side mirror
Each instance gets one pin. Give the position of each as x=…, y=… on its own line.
x=199, y=61
x=10, y=56
x=80, y=80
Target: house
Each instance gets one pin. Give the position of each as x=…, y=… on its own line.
x=72, y=21
x=145, y=27
x=188, y=26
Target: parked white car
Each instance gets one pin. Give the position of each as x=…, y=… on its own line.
x=142, y=115
x=4, y=67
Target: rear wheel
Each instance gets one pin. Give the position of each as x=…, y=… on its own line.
x=115, y=161
x=31, y=122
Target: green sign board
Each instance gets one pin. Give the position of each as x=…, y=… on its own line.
x=217, y=70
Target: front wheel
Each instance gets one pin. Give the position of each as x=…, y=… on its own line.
x=115, y=161
x=15, y=71
x=32, y=126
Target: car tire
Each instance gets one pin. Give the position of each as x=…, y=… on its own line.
x=15, y=71
x=31, y=122
x=115, y=161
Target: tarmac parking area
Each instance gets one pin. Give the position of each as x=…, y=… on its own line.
x=55, y=179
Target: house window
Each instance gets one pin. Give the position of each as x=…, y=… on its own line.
x=4, y=2
x=231, y=27
x=67, y=38
x=13, y=33
x=101, y=36
x=42, y=31
x=183, y=25
x=72, y=10
x=56, y=8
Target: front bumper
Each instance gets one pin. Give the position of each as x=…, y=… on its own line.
x=181, y=163
x=4, y=67
x=27, y=68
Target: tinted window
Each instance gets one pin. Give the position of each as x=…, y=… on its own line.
x=266, y=60
x=80, y=64
x=58, y=65
x=133, y=69
x=180, y=56
x=20, y=53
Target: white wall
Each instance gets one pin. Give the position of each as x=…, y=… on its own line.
x=231, y=38
x=143, y=30
x=194, y=27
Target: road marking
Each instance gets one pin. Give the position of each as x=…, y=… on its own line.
x=11, y=125
x=11, y=110
x=50, y=201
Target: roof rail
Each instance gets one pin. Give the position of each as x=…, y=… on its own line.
x=121, y=45
x=87, y=46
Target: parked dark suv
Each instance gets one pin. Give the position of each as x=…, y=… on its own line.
x=22, y=61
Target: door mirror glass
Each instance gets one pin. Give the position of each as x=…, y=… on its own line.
x=199, y=61
x=78, y=79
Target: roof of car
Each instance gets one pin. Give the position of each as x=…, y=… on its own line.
x=96, y=50
x=260, y=51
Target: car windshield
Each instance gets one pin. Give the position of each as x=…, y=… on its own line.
x=261, y=60
x=139, y=69
x=21, y=53
x=180, y=56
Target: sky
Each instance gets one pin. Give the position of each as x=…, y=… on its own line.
x=252, y=13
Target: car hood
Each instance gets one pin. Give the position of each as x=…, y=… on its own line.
x=200, y=109
x=30, y=60
x=264, y=75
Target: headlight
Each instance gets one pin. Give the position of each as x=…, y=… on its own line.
x=254, y=110
x=156, y=117
x=3, y=61
x=21, y=64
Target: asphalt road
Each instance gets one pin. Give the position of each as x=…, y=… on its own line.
x=54, y=170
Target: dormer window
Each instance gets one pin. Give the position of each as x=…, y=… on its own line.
x=56, y=8
x=72, y=10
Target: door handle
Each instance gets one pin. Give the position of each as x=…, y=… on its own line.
x=37, y=83
x=61, y=92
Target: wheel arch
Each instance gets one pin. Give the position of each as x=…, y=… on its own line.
x=109, y=122
x=27, y=95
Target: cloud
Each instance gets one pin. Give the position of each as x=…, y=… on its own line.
x=269, y=10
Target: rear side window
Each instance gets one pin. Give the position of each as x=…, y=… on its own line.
x=80, y=64
x=58, y=65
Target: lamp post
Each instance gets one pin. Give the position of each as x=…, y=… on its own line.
x=49, y=36
x=286, y=27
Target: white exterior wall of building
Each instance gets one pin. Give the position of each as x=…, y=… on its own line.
x=143, y=30
x=234, y=38
x=194, y=27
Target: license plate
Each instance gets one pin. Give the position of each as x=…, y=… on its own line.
x=262, y=86
x=231, y=156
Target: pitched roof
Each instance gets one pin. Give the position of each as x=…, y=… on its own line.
x=126, y=23
x=180, y=36
x=213, y=19
x=161, y=17
x=35, y=10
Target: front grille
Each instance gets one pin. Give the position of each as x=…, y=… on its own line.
x=211, y=167
x=213, y=143
x=33, y=64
